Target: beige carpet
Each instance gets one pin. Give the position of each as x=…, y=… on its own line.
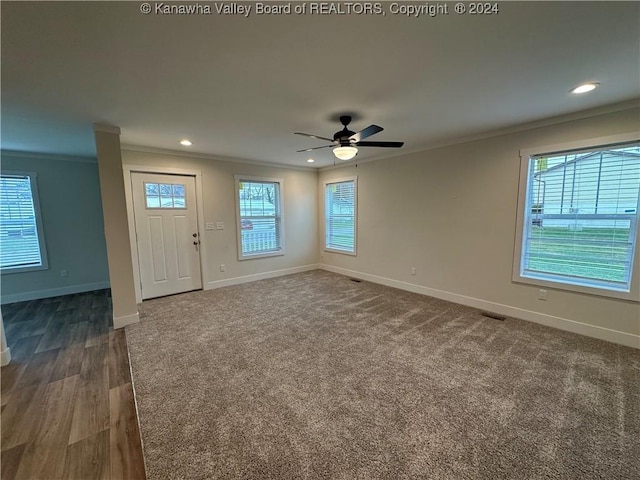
x=316, y=376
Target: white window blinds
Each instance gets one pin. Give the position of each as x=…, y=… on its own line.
x=260, y=217
x=340, y=216
x=21, y=245
x=581, y=217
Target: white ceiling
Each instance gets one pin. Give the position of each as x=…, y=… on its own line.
x=239, y=87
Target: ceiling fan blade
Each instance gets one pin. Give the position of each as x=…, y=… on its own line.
x=367, y=132
x=314, y=148
x=380, y=144
x=314, y=136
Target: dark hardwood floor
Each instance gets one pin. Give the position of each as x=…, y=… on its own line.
x=67, y=401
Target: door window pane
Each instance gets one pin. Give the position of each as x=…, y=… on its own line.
x=165, y=195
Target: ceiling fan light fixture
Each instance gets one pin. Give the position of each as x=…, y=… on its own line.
x=345, y=153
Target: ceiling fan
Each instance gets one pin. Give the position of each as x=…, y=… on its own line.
x=345, y=142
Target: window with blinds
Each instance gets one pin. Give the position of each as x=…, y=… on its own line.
x=341, y=215
x=581, y=217
x=260, y=226
x=21, y=237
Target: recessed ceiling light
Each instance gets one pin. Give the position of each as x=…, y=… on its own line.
x=185, y=142
x=584, y=88
x=311, y=160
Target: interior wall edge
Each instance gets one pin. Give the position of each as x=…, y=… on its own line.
x=53, y=292
x=5, y=354
x=227, y=282
x=124, y=320
x=5, y=357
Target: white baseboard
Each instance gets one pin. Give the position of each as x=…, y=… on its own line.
x=5, y=357
x=121, y=322
x=52, y=292
x=260, y=276
x=573, y=326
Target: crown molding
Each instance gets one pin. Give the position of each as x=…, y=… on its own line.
x=48, y=156
x=104, y=128
x=546, y=122
x=206, y=156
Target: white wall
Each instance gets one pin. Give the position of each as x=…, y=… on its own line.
x=218, y=185
x=116, y=228
x=69, y=193
x=451, y=213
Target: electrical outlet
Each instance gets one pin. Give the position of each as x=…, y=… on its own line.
x=413, y=270
x=64, y=273
x=542, y=294
x=222, y=268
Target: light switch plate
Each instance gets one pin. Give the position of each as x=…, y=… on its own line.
x=219, y=225
x=209, y=226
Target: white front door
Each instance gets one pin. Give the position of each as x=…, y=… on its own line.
x=167, y=233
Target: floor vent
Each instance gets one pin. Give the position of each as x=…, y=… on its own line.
x=357, y=280
x=495, y=316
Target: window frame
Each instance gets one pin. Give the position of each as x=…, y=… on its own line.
x=35, y=198
x=279, y=214
x=326, y=183
x=160, y=196
x=523, y=205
